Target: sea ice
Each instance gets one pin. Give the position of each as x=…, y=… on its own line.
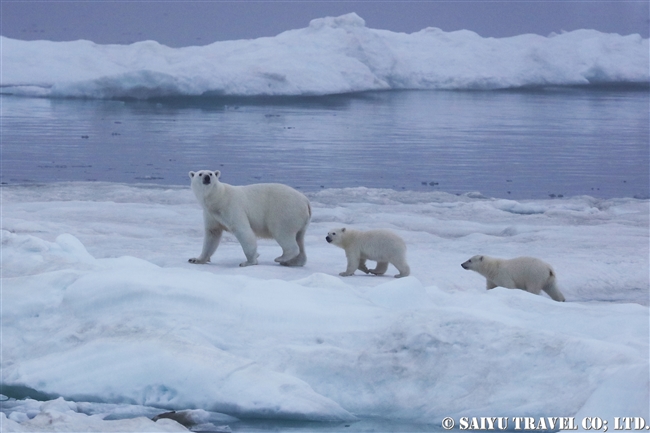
x=100, y=305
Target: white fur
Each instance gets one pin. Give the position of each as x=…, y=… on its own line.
x=382, y=246
x=525, y=273
x=265, y=210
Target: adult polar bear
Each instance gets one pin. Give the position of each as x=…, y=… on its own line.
x=265, y=210
x=525, y=273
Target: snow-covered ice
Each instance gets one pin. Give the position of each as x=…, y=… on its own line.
x=332, y=55
x=100, y=307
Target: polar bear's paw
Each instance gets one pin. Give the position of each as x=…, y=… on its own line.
x=380, y=269
x=299, y=260
x=250, y=262
x=198, y=261
x=284, y=258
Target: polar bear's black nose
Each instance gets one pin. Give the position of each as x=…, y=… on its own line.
x=328, y=239
x=206, y=179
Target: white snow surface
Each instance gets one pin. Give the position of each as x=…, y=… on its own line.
x=65, y=416
x=332, y=55
x=99, y=304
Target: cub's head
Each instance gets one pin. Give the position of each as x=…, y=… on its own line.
x=335, y=236
x=473, y=263
x=204, y=177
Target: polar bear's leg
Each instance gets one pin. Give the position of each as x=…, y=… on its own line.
x=248, y=242
x=551, y=289
x=380, y=269
x=402, y=267
x=300, y=240
x=532, y=287
x=489, y=285
x=301, y=258
x=290, y=248
x=353, y=263
x=362, y=266
x=210, y=243
x=290, y=251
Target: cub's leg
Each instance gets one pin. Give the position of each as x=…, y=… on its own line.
x=362, y=266
x=402, y=267
x=353, y=263
x=552, y=291
x=380, y=269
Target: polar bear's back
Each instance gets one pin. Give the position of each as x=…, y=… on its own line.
x=525, y=271
x=273, y=196
x=381, y=245
x=269, y=206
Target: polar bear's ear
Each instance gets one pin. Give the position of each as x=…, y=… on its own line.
x=343, y=229
x=192, y=174
x=217, y=174
x=480, y=259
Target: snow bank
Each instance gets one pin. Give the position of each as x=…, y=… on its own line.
x=64, y=416
x=99, y=306
x=333, y=55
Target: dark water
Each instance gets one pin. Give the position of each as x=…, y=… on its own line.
x=513, y=144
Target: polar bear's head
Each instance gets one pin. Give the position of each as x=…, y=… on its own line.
x=205, y=177
x=205, y=184
x=335, y=236
x=473, y=264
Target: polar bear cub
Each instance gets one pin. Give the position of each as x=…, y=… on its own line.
x=525, y=273
x=265, y=210
x=382, y=246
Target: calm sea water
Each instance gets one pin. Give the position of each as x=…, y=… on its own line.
x=511, y=144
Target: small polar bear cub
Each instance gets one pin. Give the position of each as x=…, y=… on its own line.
x=382, y=246
x=525, y=273
x=264, y=210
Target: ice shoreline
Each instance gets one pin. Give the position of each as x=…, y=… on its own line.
x=262, y=98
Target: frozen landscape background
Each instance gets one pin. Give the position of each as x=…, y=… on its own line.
x=332, y=55
x=105, y=324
